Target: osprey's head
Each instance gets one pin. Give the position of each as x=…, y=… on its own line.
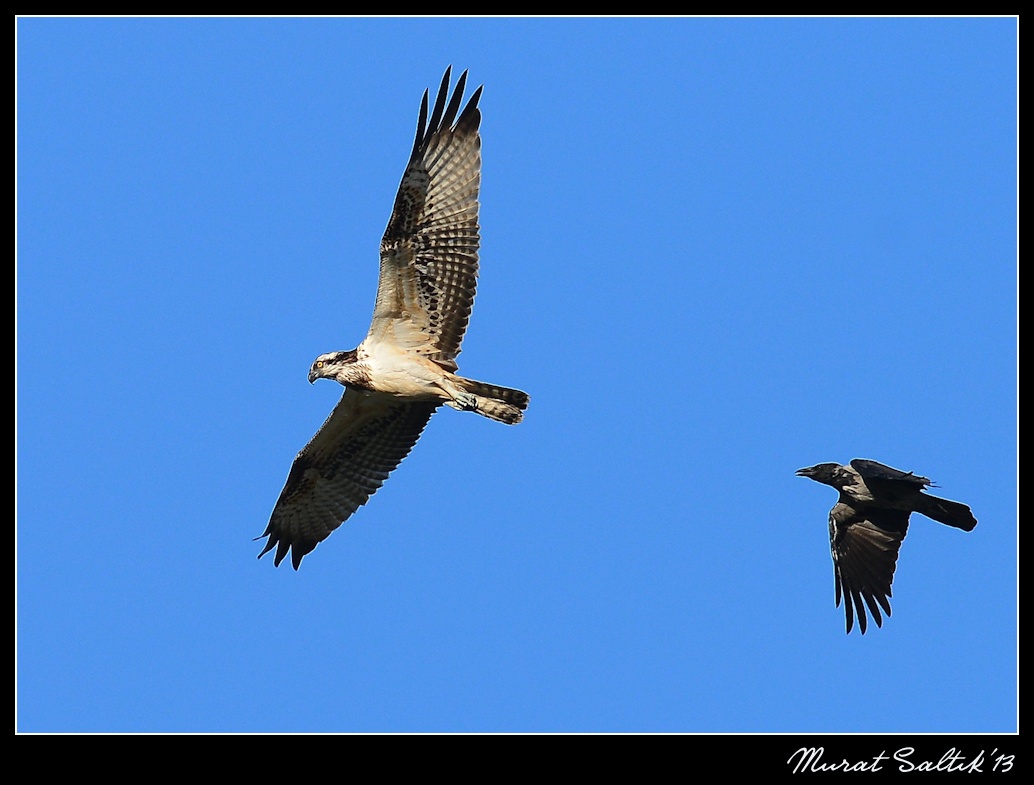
x=326, y=366
x=825, y=473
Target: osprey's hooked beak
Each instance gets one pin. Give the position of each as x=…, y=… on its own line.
x=313, y=374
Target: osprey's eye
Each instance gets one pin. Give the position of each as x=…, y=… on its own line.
x=319, y=363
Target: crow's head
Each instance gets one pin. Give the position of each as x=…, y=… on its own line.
x=825, y=473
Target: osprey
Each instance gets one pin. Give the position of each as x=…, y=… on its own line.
x=405, y=368
x=868, y=524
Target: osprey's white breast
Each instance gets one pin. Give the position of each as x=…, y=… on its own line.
x=401, y=373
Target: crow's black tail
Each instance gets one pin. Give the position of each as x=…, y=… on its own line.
x=948, y=512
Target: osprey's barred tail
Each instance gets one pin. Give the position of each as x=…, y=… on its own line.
x=503, y=404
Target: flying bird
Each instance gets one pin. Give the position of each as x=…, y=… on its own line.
x=868, y=524
x=406, y=367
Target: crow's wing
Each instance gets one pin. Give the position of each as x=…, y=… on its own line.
x=864, y=542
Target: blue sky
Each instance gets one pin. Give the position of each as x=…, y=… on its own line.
x=713, y=251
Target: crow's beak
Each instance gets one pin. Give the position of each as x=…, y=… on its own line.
x=806, y=472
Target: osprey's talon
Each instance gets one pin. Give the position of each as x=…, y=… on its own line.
x=468, y=401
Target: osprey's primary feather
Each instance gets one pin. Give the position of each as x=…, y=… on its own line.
x=405, y=368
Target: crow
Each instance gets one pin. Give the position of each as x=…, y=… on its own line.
x=868, y=524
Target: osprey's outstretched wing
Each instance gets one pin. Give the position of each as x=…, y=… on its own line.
x=363, y=440
x=429, y=252
x=864, y=542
